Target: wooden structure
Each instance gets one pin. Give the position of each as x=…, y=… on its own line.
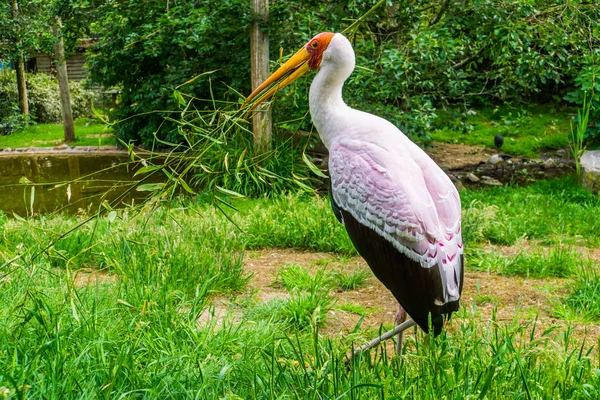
x=75, y=63
x=259, y=67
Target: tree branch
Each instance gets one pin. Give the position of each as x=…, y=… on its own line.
x=469, y=59
x=440, y=13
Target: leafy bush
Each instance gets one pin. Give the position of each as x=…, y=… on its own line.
x=150, y=51
x=11, y=119
x=413, y=58
x=43, y=97
x=587, y=92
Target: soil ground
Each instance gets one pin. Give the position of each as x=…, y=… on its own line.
x=511, y=298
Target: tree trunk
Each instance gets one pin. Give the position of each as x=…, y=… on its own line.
x=22, y=86
x=20, y=70
x=63, y=82
x=259, y=65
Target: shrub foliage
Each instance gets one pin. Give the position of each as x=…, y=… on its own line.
x=413, y=57
x=44, y=100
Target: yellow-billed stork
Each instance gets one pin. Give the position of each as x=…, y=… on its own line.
x=400, y=209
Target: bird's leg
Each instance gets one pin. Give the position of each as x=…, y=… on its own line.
x=400, y=318
x=389, y=334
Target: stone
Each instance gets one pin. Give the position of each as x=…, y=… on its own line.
x=549, y=163
x=488, y=180
x=472, y=177
x=590, y=170
x=456, y=181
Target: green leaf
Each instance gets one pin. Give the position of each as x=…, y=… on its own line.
x=312, y=166
x=32, y=199
x=150, y=187
x=147, y=169
x=178, y=96
x=111, y=216
x=302, y=185
x=186, y=186
x=230, y=192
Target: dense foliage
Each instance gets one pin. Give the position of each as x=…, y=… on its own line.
x=44, y=100
x=413, y=58
x=149, y=51
x=26, y=31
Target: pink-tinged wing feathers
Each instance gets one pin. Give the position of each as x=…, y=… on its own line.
x=409, y=202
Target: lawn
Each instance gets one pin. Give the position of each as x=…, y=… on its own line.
x=527, y=131
x=88, y=132
x=179, y=303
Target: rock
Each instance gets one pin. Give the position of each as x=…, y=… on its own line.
x=561, y=152
x=590, y=170
x=456, y=181
x=488, y=180
x=61, y=147
x=549, y=163
x=472, y=177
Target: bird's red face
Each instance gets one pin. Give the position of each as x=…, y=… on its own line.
x=316, y=47
x=309, y=57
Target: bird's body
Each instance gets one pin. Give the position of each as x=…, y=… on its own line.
x=498, y=141
x=498, y=159
x=400, y=209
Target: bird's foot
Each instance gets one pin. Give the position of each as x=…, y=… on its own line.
x=400, y=318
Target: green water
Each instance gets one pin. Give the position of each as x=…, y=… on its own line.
x=33, y=184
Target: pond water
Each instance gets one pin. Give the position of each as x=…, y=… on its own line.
x=33, y=184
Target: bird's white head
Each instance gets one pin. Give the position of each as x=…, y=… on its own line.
x=339, y=55
x=325, y=50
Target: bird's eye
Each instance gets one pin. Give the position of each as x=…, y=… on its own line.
x=314, y=44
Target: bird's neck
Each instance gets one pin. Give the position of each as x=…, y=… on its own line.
x=327, y=108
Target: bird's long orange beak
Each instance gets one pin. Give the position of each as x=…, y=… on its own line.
x=293, y=69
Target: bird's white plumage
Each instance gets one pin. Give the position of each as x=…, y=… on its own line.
x=383, y=179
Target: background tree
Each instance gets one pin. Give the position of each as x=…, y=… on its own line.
x=63, y=80
x=20, y=67
x=24, y=30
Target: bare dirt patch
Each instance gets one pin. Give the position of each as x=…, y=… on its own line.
x=455, y=156
x=509, y=298
x=90, y=276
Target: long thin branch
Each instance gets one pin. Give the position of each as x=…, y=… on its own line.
x=350, y=29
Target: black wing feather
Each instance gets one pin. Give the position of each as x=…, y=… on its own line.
x=413, y=285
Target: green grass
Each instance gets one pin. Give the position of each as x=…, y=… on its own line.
x=355, y=308
x=558, y=261
x=87, y=133
x=296, y=277
x=553, y=211
x=583, y=301
x=138, y=331
x=352, y=280
x=527, y=131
